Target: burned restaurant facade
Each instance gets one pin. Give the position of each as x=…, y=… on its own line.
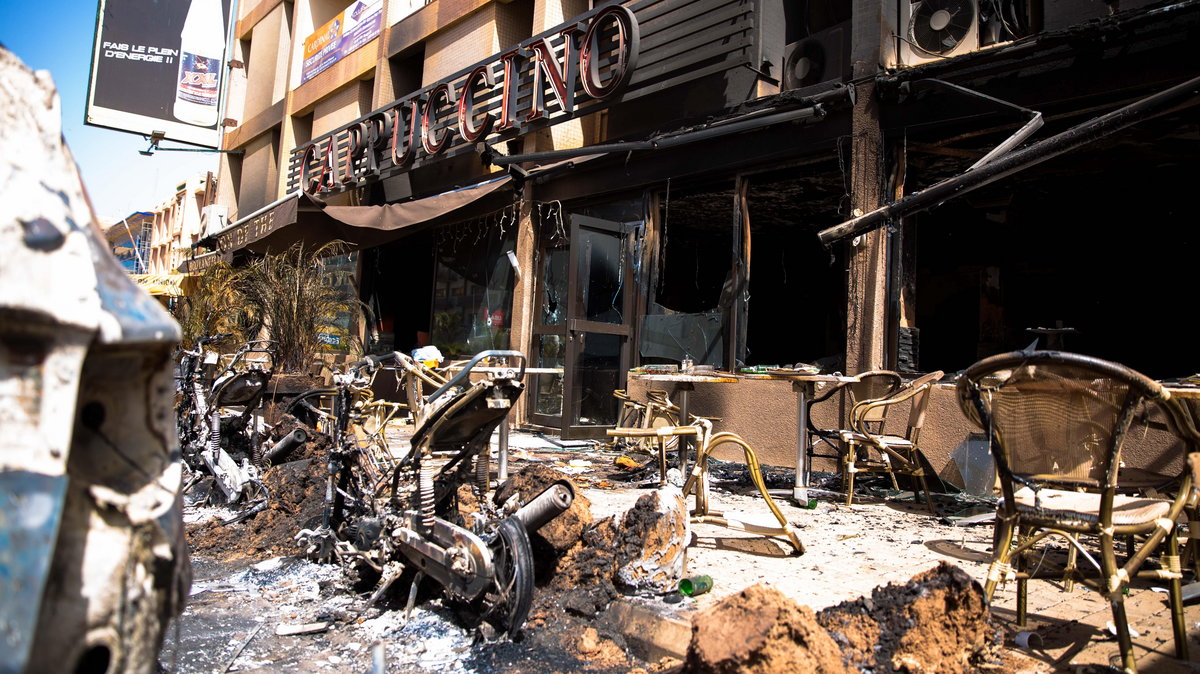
x=858, y=184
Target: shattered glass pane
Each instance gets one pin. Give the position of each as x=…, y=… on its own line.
x=473, y=288
x=552, y=349
x=554, y=287
x=603, y=268
x=596, y=378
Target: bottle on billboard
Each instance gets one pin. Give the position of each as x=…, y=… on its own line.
x=201, y=51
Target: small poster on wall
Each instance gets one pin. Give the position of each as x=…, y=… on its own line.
x=353, y=27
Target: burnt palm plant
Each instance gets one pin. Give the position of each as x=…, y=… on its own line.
x=294, y=300
x=217, y=305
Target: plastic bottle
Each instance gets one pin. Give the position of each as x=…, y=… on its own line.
x=201, y=53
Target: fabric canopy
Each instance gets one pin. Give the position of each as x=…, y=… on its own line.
x=168, y=285
x=302, y=219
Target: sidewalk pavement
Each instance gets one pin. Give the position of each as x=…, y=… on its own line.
x=851, y=550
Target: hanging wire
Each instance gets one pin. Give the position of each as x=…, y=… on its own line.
x=662, y=247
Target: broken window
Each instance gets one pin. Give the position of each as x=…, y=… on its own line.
x=693, y=289
x=797, y=299
x=473, y=284
x=1088, y=252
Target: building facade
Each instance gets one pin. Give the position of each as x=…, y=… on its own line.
x=167, y=232
x=861, y=183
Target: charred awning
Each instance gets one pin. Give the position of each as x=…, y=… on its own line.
x=200, y=263
x=299, y=218
x=1005, y=165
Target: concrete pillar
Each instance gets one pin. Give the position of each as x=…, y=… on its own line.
x=524, y=309
x=866, y=292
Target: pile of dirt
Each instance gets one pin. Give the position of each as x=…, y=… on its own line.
x=563, y=532
x=578, y=562
x=938, y=621
x=297, y=498
x=761, y=630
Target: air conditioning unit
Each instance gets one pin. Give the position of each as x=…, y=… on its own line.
x=936, y=29
x=213, y=219
x=823, y=56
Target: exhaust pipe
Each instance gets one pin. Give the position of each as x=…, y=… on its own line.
x=286, y=444
x=549, y=504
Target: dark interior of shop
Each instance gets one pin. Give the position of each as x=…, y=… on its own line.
x=693, y=278
x=797, y=286
x=1092, y=252
x=397, y=287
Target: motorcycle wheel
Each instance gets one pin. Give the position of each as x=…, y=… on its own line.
x=507, y=602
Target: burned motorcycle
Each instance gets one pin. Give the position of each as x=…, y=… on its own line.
x=218, y=422
x=412, y=516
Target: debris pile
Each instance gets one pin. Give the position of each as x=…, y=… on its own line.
x=936, y=622
x=297, y=496
x=761, y=630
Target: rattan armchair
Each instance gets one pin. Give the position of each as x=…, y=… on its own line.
x=1056, y=423
x=871, y=385
x=868, y=448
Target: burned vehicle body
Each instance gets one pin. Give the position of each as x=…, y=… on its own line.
x=220, y=430
x=92, y=558
x=413, y=515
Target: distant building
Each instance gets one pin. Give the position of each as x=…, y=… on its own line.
x=129, y=240
x=168, y=231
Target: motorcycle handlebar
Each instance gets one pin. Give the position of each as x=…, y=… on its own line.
x=219, y=337
x=373, y=361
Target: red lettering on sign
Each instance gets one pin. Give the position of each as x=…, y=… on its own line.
x=466, y=102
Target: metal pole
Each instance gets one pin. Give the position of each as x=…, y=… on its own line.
x=1002, y=167
x=137, y=253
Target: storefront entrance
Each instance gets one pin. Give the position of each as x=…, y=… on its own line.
x=584, y=324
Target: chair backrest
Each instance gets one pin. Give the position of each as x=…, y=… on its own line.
x=922, y=387
x=915, y=392
x=874, y=385
x=1054, y=418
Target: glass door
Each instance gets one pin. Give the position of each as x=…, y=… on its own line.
x=584, y=327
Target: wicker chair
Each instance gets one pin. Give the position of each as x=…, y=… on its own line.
x=1056, y=423
x=871, y=385
x=869, y=449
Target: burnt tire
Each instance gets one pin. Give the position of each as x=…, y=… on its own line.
x=306, y=407
x=507, y=602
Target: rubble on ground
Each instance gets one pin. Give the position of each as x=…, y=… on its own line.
x=297, y=497
x=760, y=630
x=936, y=622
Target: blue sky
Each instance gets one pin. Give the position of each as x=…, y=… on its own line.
x=56, y=35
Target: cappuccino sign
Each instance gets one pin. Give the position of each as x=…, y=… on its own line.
x=548, y=78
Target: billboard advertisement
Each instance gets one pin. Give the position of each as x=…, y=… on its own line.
x=159, y=65
x=353, y=27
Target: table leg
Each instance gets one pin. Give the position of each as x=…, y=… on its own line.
x=800, y=489
x=684, y=441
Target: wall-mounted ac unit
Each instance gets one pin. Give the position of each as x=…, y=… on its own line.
x=213, y=219
x=935, y=29
x=823, y=56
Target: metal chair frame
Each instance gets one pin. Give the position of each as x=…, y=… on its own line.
x=1020, y=527
x=892, y=453
x=697, y=481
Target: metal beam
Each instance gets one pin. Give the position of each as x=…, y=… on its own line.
x=1002, y=167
